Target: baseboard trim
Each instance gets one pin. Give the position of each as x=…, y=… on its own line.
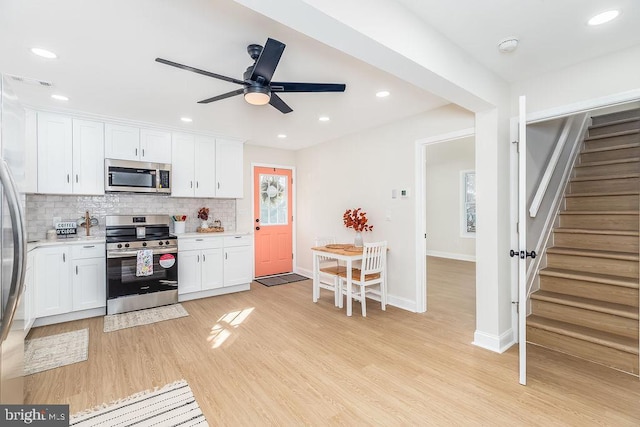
x=450, y=255
x=496, y=343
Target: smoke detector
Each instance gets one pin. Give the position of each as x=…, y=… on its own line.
x=508, y=44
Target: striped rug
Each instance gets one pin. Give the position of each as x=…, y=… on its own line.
x=171, y=405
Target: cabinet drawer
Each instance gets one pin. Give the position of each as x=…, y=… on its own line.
x=88, y=250
x=230, y=241
x=194, y=243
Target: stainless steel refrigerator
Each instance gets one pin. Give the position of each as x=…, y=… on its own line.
x=12, y=247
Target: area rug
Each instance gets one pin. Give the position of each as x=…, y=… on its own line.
x=280, y=280
x=171, y=405
x=114, y=322
x=42, y=354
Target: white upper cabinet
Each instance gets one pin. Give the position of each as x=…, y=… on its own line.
x=55, y=154
x=132, y=143
x=192, y=168
x=88, y=157
x=155, y=146
x=229, y=169
x=121, y=142
x=70, y=155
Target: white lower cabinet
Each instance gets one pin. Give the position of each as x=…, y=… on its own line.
x=208, y=263
x=52, y=281
x=69, y=278
x=237, y=260
x=88, y=284
x=29, y=294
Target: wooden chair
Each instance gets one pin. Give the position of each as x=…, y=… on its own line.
x=329, y=269
x=370, y=277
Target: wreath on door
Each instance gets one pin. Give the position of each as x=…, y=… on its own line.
x=272, y=191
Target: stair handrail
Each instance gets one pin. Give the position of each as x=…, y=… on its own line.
x=541, y=245
x=551, y=167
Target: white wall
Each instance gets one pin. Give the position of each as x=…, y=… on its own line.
x=360, y=171
x=254, y=154
x=617, y=73
x=444, y=206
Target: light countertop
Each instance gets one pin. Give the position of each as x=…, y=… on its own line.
x=78, y=240
x=221, y=234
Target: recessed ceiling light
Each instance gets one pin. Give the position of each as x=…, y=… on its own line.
x=382, y=94
x=282, y=136
x=186, y=119
x=60, y=97
x=324, y=118
x=604, y=17
x=43, y=53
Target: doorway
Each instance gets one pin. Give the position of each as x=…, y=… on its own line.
x=273, y=216
x=422, y=146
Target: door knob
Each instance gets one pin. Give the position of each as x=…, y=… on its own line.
x=257, y=219
x=257, y=228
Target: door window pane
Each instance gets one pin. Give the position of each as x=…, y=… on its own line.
x=273, y=200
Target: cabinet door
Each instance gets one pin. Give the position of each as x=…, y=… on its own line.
x=205, y=167
x=182, y=155
x=121, y=142
x=189, y=275
x=212, y=265
x=88, y=157
x=89, y=283
x=29, y=294
x=155, y=146
x=237, y=265
x=55, y=156
x=229, y=169
x=53, y=285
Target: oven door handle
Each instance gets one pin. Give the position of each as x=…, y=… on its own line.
x=127, y=254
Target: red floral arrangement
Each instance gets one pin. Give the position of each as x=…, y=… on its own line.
x=354, y=218
x=203, y=214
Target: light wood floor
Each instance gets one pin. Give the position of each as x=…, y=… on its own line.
x=270, y=356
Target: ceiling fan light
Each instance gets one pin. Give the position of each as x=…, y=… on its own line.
x=257, y=95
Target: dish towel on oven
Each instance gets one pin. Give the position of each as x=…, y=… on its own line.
x=144, y=263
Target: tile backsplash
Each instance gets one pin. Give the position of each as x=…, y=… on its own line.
x=41, y=209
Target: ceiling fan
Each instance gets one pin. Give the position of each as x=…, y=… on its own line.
x=258, y=89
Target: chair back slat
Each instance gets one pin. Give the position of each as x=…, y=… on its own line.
x=373, y=258
x=323, y=241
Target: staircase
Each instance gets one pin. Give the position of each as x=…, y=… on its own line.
x=587, y=305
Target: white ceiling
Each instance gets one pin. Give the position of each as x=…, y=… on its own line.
x=106, y=52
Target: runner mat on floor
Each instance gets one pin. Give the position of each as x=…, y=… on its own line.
x=280, y=280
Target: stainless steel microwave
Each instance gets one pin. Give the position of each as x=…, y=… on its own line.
x=137, y=177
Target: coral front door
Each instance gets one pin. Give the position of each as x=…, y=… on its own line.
x=273, y=218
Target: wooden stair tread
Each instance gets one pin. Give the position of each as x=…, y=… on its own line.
x=595, y=231
x=627, y=311
x=611, y=148
x=613, y=134
x=600, y=213
x=628, y=345
x=608, y=162
x=605, y=177
x=600, y=194
x=608, y=279
x=625, y=256
x=616, y=122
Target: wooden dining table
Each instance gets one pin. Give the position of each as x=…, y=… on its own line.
x=342, y=252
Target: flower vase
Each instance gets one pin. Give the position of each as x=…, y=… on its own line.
x=204, y=224
x=357, y=241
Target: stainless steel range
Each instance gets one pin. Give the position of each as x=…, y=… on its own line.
x=142, y=262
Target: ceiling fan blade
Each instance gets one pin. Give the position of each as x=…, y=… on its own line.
x=199, y=71
x=307, y=87
x=223, y=96
x=277, y=102
x=268, y=60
